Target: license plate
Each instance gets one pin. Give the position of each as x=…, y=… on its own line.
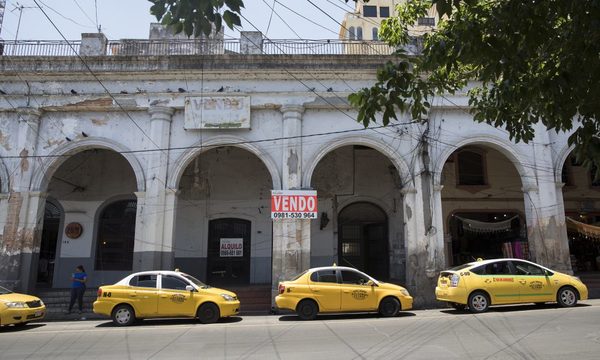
x=38, y=313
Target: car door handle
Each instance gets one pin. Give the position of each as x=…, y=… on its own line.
x=346, y=291
x=522, y=282
x=316, y=290
x=132, y=295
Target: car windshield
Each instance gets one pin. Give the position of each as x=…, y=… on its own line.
x=4, y=291
x=195, y=281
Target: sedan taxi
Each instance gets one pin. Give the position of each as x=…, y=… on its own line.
x=479, y=284
x=338, y=289
x=155, y=294
x=19, y=309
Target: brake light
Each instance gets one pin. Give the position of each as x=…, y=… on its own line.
x=281, y=288
x=99, y=292
x=454, y=280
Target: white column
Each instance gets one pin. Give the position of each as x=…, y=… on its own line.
x=154, y=247
x=291, y=238
x=22, y=230
x=544, y=209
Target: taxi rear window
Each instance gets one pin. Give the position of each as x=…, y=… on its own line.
x=148, y=281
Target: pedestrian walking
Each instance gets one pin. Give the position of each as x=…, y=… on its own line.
x=78, y=278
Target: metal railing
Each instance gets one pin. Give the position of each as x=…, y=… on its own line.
x=39, y=48
x=137, y=47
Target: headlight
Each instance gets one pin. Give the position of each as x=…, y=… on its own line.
x=15, y=304
x=404, y=292
x=576, y=278
x=41, y=302
x=227, y=297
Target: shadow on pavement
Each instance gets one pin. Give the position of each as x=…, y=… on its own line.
x=161, y=322
x=344, y=316
x=13, y=328
x=512, y=308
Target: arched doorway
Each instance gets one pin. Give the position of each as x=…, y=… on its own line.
x=49, y=244
x=228, y=260
x=363, y=239
x=482, y=200
x=224, y=196
x=116, y=236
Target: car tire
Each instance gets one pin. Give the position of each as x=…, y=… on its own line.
x=566, y=297
x=389, y=307
x=208, y=313
x=459, y=307
x=479, y=302
x=307, y=310
x=123, y=315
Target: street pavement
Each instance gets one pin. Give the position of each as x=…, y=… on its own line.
x=507, y=332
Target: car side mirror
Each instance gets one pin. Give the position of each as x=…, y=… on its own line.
x=371, y=283
x=189, y=288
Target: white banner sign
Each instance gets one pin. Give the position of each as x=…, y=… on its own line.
x=217, y=112
x=293, y=204
x=233, y=247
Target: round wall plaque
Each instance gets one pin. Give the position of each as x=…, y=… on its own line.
x=73, y=230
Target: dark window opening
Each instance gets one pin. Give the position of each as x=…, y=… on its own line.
x=370, y=11
x=116, y=235
x=471, y=168
x=426, y=21
x=359, y=35
x=351, y=33
x=384, y=11
x=375, y=34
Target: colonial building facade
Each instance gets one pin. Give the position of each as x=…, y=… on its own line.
x=146, y=160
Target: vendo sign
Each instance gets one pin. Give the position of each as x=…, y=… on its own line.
x=293, y=204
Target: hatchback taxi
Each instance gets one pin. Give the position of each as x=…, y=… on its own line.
x=477, y=285
x=156, y=294
x=338, y=289
x=19, y=309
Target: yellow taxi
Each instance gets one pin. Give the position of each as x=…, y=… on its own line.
x=479, y=284
x=338, y=289
x=19, y=309
x=155, y=294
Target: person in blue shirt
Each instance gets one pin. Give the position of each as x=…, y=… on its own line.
x=78, y=278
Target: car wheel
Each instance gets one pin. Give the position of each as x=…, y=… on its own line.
x=208, y=313
x=389, y=307
x=307, y=310
x=123, y=315
x=478, y=302
x=566, y=297
x=459, y=307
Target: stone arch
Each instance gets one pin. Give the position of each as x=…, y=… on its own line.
x=186, y=158
x=4, y=182
x=559, y=162
x=385, y=149
x=41, y=177
x=505, y=147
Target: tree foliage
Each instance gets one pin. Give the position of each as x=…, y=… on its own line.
x=195, y=17
x=524, y=61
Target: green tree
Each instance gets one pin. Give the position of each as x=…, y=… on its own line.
x=527, y=61
x=195, y=17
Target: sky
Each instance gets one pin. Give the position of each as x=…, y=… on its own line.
x=130, y=19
